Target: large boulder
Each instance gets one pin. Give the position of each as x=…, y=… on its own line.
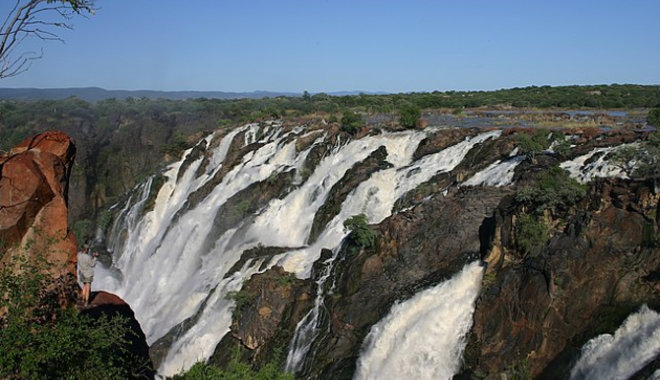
x=33, y=202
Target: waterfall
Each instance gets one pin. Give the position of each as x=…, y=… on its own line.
x=634, y=344
x=423, y=337
x=169, y=266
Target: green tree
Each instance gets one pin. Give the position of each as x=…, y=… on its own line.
x=409, y=115
x=534, y=143
x=553, y=189
x=531, y=233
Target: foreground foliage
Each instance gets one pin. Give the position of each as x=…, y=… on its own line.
x=40, y=340
x=236, y=370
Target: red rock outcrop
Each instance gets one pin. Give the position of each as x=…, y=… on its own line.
x=34, y=179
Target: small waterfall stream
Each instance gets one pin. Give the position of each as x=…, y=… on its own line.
x=309, y=327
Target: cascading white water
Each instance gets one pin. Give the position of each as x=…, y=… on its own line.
x=375, y=198
x=499, y=173
x=585, y=172
x=423, y=337
x=633, y=345
x=165, y=269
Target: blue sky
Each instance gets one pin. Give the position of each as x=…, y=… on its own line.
x=334, y=45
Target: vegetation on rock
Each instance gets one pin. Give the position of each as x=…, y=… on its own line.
x=362, y=236
x=553, y=190
x=640, y=161
x=235, y=370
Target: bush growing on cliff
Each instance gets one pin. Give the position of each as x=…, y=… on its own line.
x=39, y=340
x=553, y=189
x=531, y=233
x=362, y=236
x=534, y=143
x=641, y=161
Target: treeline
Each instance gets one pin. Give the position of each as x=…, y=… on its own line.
x=15, y=116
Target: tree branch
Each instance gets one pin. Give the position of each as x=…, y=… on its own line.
x=29, y=18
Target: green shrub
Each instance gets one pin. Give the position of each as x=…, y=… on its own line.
x=531, y=234
x=535, y=143
x=237, y=370
x=554, y=189
x=646, y=157
x=242, y=299
x=83, y=229
x=362, y=236
x=409, y=115
x=351, y=122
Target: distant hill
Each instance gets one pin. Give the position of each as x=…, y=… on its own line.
x=93, y=94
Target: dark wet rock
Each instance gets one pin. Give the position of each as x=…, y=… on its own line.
x=258, y=252
x=195, y=154
x=443, y=139
x=248, y=201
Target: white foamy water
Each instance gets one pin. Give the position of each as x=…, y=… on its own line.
x=499, y=173
x=423, y=337
x=584, y=172
x=635, y=344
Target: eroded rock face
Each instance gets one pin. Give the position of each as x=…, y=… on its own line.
x=268, y=308
x=585, y=281
x=33, y=201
